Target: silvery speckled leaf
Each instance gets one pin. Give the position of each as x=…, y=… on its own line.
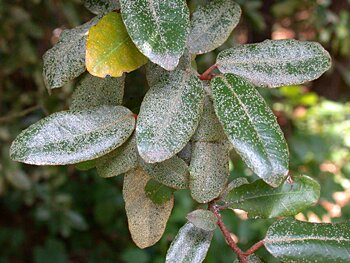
x=172, y=172
x=69, y=137
x=146, y=219
x=66, y=59
x=190, y=245
x=119, y=161
x=251, y=127
x=101, y=6
x=158, y=28
x=212, y=24
x=261, y=200
x=275, y=63
x=169, y=115
x=251, y=259
x=203, y=219
x=294, y=241
x=209, y=170
x=209, y=128
x=158, y=193
x=93, y=91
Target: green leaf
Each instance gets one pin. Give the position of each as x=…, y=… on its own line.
x=146, y=219
x=212, y=24
x=109, y=49
x=157, y=192
x=66, y=60
x=234, y=184
x=209, y=170
x=209, y=128
x=158, y=28
x=203, y=219
x=172, y=172
x=295, y=241
x=262, y=201
x=69, y=137
x=101, y=6
x=85, y=166
x=251, y=127
x=169, y=115
x=190, y=245
x=92, y=91
x=251, y=259
x=119, y=161
x=275, y=63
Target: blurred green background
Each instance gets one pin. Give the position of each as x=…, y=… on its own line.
x=61, y=214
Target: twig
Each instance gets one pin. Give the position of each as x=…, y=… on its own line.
x=254, y=248
x=207, y=74
x=16, y=115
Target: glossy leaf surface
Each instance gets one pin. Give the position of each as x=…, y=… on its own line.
x=251, y=127
x=66, y=60
x=73, y=136
x=275, y=63
x=146, y=219
x=261, y=200
x=169, y=116
x=157, y=192
x=212, y=24
x=295, y=241
x=119, y=161
x=203, y=219
x=158, y=28
x=190, y=245
x=109, y=49
x=209, y=170
x=101, y=6
x=173, y=172
x=92, y=91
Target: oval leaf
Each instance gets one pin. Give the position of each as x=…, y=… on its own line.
x=261, y=200
x=158, y=28
x=73, y=136
x=275, y=63
x=172, y=172
x=92, y=91
x=295, y=241
x=169, y=116
x=101, y=6
x=86, y=165
x=191, y=244
x=146, y=219
x=66, y=60
x=251, y=127
x=209, y=170
x=157, y=192
x=109, y=49
x=119, y=161
x=203, y=219
x=212, y=24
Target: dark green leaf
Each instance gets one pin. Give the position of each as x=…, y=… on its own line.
x=73, y=136
x=66, y=60
x=261, y=200
x=158, y=28
x=203, y=219
x=251, y=259
x=190, y=245
x=101, y=6
x=251, y=127
x=169, y=115
x=275, y=63
x=87, y=165
x=295, y=241
x=212, y=24
x=157, y=192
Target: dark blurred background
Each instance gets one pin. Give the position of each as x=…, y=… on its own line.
x=61, y=214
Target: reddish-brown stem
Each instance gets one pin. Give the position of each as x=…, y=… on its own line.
x=254, y=248
x=207, y=74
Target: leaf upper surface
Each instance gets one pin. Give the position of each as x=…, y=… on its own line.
x=251, y=127
x=101, y=6
x=261, y=200
x=66, y=60
x=157, y=192
x=190, y=245
x=295, y=241
x=73, y=136
x=203, y=219
x=109, y=49
x=212, y=24
x=275, y=63
x=158, y=28
x=169, y=115
x=146, y=219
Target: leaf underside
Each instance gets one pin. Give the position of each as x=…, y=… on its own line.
x=203, y=219
x=101, y=6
